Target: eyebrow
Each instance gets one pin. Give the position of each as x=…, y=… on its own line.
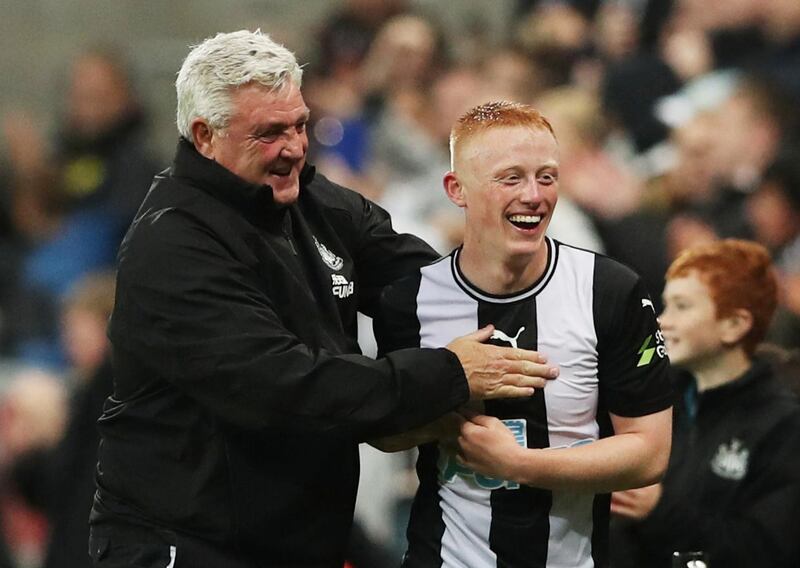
x=280, y=126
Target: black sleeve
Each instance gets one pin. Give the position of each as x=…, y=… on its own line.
x=196, y=316
x=396, y=324
x=384, y=256
x=633, y=365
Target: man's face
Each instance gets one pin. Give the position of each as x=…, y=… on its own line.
x=265, y=141
x=689, y=323
x=509, y=181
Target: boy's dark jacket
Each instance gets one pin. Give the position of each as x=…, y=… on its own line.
x=732, y=488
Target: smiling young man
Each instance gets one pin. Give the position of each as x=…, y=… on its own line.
x=528, y=484
x=732, y=488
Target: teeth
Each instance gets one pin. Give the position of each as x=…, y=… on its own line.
x=525, y=218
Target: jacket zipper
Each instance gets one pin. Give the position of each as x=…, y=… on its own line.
x=288, y=238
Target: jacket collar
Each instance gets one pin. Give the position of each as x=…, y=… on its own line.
x=253, y=200
x=759, y=372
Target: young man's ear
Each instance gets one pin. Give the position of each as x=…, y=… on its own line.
x=454, y=189
x=203, y=136
x=736, y=326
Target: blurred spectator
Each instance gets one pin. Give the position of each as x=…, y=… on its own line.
x=407, y=53
x=555, y=35
x=413, y=157
x=780, y=61
x=59, y=478
x=774, y=212
x=732, y=488
x=511, y=74
x=70, y=210
x=334, y=87
x=347, y=34
x=32, y=416
x=589, y=181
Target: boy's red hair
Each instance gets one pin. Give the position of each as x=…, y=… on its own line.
x=739, y=275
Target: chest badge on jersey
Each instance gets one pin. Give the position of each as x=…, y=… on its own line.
x=730, y=461
x=330, y=259
x=449, y=468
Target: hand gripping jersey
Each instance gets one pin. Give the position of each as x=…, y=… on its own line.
x=590, y=316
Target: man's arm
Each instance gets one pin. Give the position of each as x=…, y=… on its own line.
x=445, y=429
x=196, y=316
x=635, y=456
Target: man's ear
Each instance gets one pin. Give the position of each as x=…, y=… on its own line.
x=203, y=136
x=454, y=189
x=735, y=326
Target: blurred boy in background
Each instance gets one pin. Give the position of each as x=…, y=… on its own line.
x=732, y=489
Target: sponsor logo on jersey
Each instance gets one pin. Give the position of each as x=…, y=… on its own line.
x=731, y=459
x=341, y=287
x=502, y=336
x=450, y=468
x=651, y=347
x=334, y=262
x=647, y=303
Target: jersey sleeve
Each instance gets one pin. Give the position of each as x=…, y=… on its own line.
x=632, y=359
x=396, y=325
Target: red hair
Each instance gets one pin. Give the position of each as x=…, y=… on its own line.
x=493, y=115
x=739, y=275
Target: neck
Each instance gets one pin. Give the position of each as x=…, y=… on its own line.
x=727, y=367
x=501, y=275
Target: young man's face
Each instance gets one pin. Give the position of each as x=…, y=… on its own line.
x=509, y=181
x=265, y=141
x=689, y=323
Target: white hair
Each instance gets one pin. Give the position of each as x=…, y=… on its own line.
x=219, y=64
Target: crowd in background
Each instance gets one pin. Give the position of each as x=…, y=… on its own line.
x=677, y=122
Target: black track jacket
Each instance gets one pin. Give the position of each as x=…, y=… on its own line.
x=240, y=395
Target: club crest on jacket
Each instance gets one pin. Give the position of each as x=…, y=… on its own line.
x=334, y=262
x=730, y=461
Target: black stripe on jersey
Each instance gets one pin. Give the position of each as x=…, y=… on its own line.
x=425, y=533
x=520, y=526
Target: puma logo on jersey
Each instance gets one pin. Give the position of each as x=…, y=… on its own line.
x=502, y=336
x=341, y=287
x=647, y=303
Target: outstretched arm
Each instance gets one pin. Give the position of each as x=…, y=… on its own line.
x=636, y=455
x=444, y=429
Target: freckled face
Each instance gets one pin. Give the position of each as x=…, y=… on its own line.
x=265, y=141
x=509, y=178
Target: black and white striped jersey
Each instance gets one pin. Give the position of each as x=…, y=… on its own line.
x=591, y=316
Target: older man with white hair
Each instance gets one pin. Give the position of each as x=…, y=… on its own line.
x=240, y=395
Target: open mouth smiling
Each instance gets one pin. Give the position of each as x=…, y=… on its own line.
x=525, y=222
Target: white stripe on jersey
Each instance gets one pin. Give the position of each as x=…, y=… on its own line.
x=566, y=334
x=444, y=313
